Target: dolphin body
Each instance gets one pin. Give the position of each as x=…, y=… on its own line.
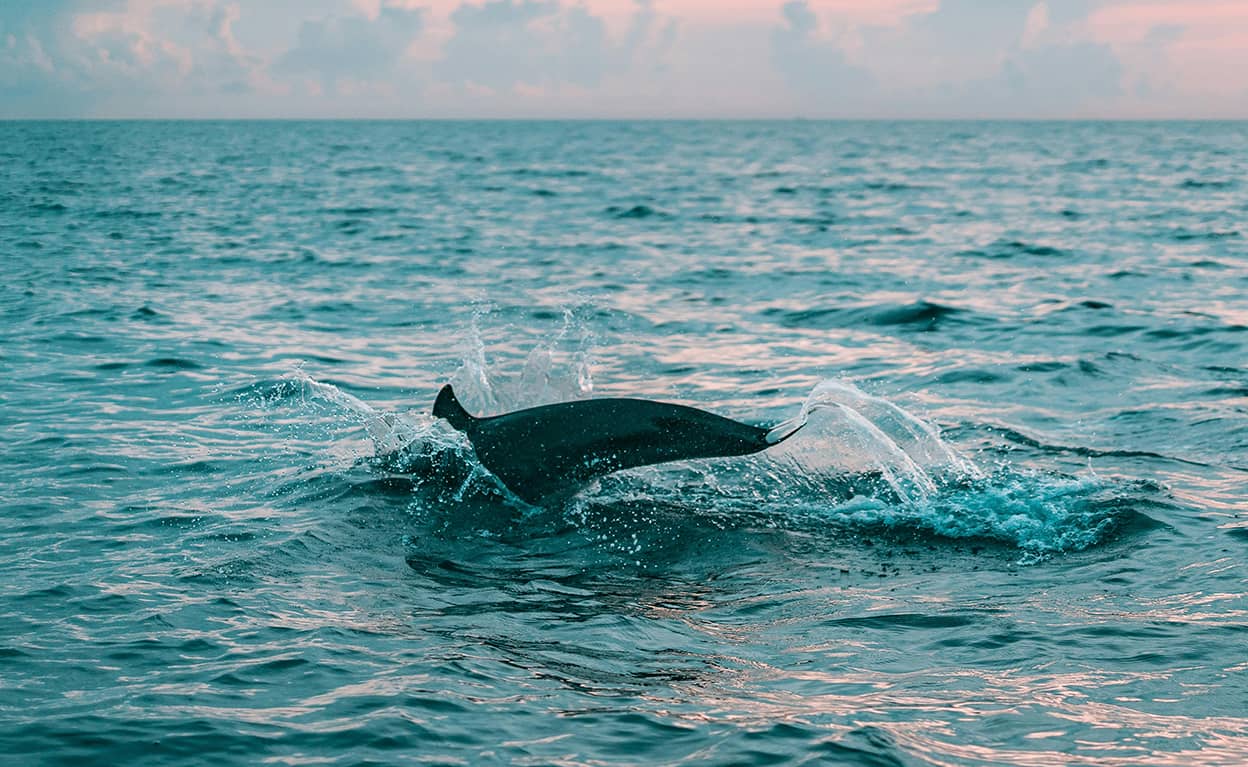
x=543, y=451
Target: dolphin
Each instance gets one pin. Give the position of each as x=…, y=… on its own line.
x=544, y=451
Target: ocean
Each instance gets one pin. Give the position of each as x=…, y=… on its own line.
x=1013, y=531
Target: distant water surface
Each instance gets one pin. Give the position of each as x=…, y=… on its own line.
x=1014, y=532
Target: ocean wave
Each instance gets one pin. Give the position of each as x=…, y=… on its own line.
x=635, y=211
x=919, y=315
x=1207, y=183
x=1006, y=249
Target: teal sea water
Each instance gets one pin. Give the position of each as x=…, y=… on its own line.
x=1014, y=531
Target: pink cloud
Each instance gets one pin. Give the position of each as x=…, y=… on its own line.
x=884, y=13
x=1182, y=57
x=860, y=12
x=1135, y=19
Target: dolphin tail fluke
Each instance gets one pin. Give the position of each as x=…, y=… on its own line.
x=447, y=406
x=782, y=431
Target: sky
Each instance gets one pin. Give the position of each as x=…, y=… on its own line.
x=1047, y=59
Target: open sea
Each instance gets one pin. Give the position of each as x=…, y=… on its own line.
x=1013, y=532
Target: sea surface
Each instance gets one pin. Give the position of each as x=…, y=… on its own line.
x=1013, y=532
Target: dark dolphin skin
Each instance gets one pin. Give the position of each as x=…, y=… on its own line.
x=542, y=451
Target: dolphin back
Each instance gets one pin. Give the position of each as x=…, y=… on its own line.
x=542, y=451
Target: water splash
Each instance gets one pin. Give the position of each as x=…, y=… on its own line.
x=437, y=460
x=1039, y=513
x=914, y=436
x=472, y=379
x=389, y=431
x=847, y=430
x=558, y=368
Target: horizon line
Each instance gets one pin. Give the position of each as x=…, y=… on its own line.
x=672, y=119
